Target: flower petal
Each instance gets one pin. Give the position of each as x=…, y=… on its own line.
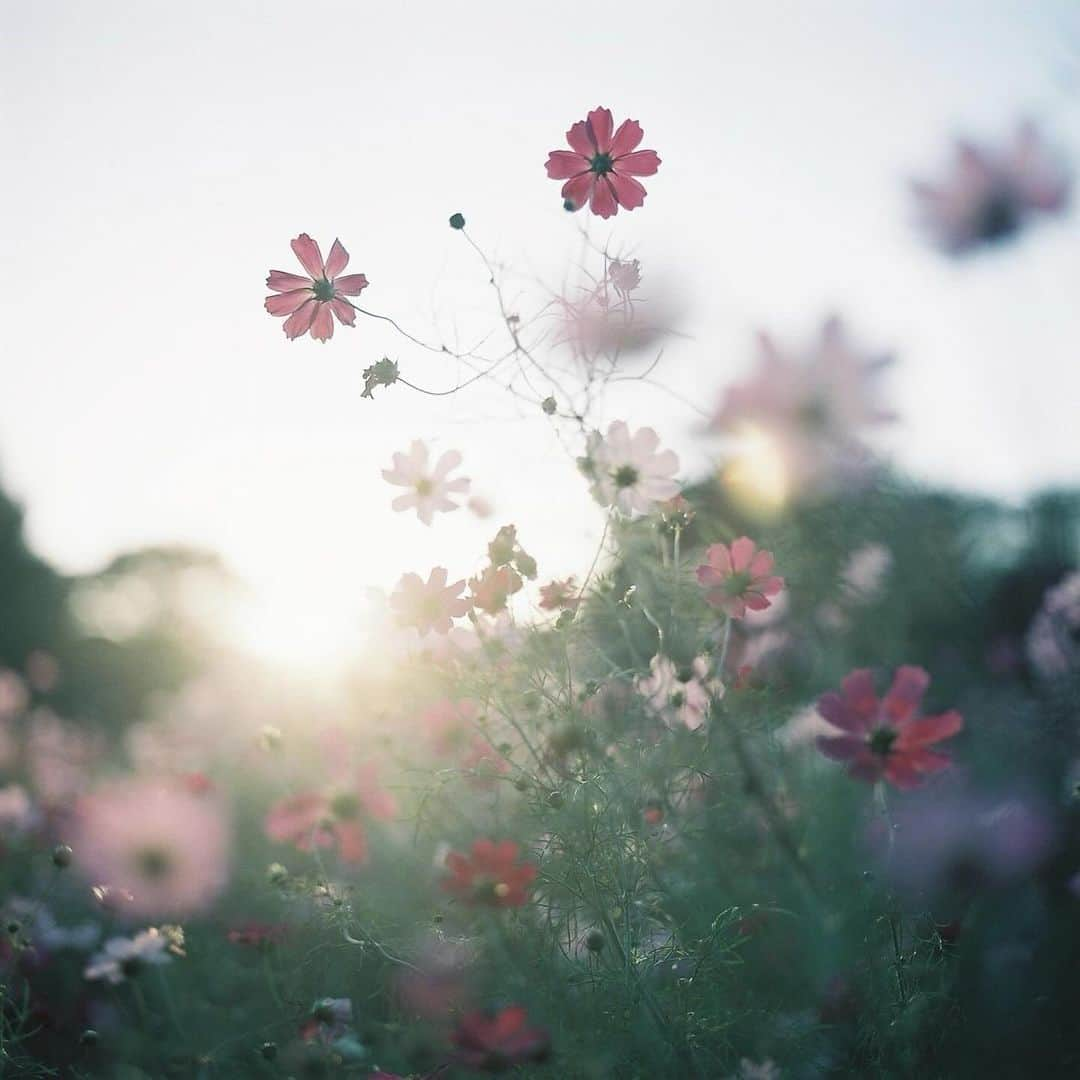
x=322, y=325
x=298, y=323
x=279, y=281
x=281, y=304
x=350, y=284
x=307, y=251
x=840, y=747
x=562, y=164
x=344, y=311
x=627, y=138
x=337, y=260
x=931, y=729
x=641, y=163
x=578, y=189
x=603, y=202
x=742, y=553
x=580, y=139
x=627, y=190
x=600, y=126
x=907, y=690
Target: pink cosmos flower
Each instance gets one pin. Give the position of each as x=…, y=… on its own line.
x=308, y=303
x=811, y=406
x=680, y=696
x=883, y=738
x=497, y=1041
x=738, y=578
x=990, y=193
x=153, y=839
x=450, y=724
x=430, y=488
x=627, y=469
x=490, y=875
x=560, y=595
x=429, y=606
x=333, y=817
x=599, y=168
x=491, y=590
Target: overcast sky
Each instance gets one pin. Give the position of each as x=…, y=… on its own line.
x=161, y=156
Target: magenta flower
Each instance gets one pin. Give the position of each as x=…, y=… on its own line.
x=599, y=168
x=884, y=738
x=306, y=303
x=429, y=606
x=497, y=1041
x=738, y=578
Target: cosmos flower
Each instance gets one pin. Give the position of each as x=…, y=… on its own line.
x=560, y=595
x=497, y=1041
x=680, y=696
x=599, y=168
x=450, y=724
x=885, y=739
x=738, y=578
x=491, y=590
x=490, y=875
x=124, y=958
x=990, y=193
x=17, y=811
x=1052, y=640
x=628, y=471
x=429, y=606
x=625, y=275
x=333, y=817
x=157, y=841
x=810, y=409
x=430, y=488
x=308, y=303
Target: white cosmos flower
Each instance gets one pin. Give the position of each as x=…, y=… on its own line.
x=429, y=487
x=123, y=957
x=627, y=470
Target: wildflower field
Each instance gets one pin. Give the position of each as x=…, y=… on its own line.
x=781, y=782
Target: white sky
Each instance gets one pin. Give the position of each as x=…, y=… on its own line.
x=161, y=156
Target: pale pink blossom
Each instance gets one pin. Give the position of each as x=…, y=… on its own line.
x=628, y=470
x=680, y=695
x=59, y=757
x=17, y=811
x=600, y=166
x=429, y=606
x=738, y=578
x=430, y=487
x=991, y=192
x=123, y=958
x=493, y=588
x=813, y=408
x=1052, y=640
x=13, y=695
x=167, y=847
x=308, y=304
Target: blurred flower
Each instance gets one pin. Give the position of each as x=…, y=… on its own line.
x=42, y=671
x=628, y=471
x=449, y=724
x=437, y=983
x=599, y=168
x=59, y=757
x=990, y=193
x=13, y=695
x=309, y=301
x=680, y=696
x=497, y=1041
x=167, y=847
x=624, y=275
x=491, y=875
x=124, y=958
x=331, y=1019
x=560, y=595
x=491, y=590
x=334, y=817
x=865, y=571
x=17, y=811
x=752, y=1070
x=951, y=841
x=1053, y=641
x=884, y=738
x=809, y=409
x=45, y=932
x=738, y=577
x=484, y=761
x=430, y=487
x=430, y=606
x=480, y=507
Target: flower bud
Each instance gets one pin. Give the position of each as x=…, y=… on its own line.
x=457, y=221
x=61, y=856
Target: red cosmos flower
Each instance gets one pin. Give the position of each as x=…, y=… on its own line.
x=738, y=577
x=496, y=1041
x=309, y=301
x=332, y=818
x=599, y=168
x=884, y=739
x=491, y=876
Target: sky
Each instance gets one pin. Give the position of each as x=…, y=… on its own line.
x=165, y=154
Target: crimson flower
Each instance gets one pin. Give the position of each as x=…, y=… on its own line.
x=497, y=1041
x=491, y=876
x=884, y=738
x=599, y=168
x=738, y=577
x=306, y=303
